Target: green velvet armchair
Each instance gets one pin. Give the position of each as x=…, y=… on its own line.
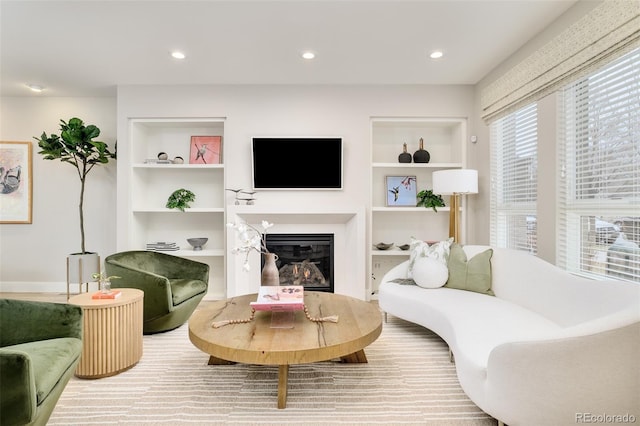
x=40, y=348
x=173, y=286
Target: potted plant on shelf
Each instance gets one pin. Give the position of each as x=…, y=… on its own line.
x=76, y=146
x=180, y=199
x=426, y=198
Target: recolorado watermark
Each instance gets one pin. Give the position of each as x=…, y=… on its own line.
x=605, y=418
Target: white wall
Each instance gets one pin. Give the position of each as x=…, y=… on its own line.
x=33, y=257
x=250, y=110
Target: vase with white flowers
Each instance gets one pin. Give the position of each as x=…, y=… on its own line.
x=252, y=239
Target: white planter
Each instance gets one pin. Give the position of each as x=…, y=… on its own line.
x=80, y=267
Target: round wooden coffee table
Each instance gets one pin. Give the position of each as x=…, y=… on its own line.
x=256, y=342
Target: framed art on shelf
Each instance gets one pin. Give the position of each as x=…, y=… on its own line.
x=205, y=150
x=401, y=191
x=16, y=180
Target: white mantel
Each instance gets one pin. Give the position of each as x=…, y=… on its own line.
x=346, y=223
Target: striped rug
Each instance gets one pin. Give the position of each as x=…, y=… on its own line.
x=407, y=381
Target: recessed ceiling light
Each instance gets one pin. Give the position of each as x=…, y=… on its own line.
x=308, y=55
x=35, y=87
x=436, y=54
x=178, y=55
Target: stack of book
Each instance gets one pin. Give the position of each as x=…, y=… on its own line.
x=112, y=294
x=279, y=298
x=162, y=246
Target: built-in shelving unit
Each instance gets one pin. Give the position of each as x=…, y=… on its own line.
x=149, y=186
x=444, y=138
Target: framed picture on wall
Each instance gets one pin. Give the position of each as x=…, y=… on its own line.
x=401, y=191
x=205, y=150
x=16, y=180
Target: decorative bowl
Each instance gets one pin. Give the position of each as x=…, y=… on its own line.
x=197, y=243
x=383, y=246
x=404, y=247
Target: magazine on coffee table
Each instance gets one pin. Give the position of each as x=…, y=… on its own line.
x=279, y=298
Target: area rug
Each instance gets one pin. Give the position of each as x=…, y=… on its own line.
x=407, y=381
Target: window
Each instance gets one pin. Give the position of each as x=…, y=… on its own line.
x=599, y=176
x=514, y=176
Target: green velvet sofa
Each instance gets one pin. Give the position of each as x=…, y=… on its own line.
x=40, y=347
x=173, y=286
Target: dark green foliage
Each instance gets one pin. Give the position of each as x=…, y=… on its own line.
x=426, y=198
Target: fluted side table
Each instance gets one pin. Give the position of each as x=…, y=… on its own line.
x=112, y=337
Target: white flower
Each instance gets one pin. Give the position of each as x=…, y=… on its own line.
x=250, y=239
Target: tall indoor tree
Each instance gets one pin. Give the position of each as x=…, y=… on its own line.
x=76, y=146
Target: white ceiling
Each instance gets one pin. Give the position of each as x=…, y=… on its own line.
x=88, y=47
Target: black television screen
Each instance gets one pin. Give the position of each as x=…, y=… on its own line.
x=297, y=162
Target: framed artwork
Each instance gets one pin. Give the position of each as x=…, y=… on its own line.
x=401, y=191
x=16, y=182
x=205, y=150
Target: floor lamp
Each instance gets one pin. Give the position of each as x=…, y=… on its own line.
x=455, y=182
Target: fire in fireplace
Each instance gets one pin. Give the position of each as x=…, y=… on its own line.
x=304, y=259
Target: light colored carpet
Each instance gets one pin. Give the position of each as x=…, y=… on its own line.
x=408, y=380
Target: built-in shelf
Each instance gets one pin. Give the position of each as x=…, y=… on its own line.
x=444, y=138
x=144, y=217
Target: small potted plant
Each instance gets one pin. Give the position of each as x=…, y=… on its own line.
x=426, y=198
x=180, y=199
x=103, y=281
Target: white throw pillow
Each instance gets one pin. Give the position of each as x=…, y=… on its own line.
x=430, y=273
x=419, y=249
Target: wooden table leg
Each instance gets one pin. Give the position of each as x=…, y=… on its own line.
x=356, y=357
x=283, y=379
x=218, y=361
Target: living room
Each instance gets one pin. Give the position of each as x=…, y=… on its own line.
x=248, y=110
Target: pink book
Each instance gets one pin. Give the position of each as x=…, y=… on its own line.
x=279, y=298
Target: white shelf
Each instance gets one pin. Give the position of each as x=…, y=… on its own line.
x=390, y=252
x=175, y=211
x=177, y=166
x=193, y=253
x=409, y=209
x=416, y=165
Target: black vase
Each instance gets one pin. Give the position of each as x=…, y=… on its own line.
x=404, y=157
x=421, y=155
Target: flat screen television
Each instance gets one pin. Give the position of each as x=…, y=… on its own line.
x=297, y=162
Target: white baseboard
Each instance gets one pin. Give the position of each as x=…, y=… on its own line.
x=41, y=287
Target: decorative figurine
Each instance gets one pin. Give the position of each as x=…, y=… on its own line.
x=421, y=155
x=404, y=157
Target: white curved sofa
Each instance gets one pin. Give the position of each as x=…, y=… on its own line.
x=550, y=348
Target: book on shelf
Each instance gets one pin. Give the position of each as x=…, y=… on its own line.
x=113, y=294
x=162, y=246
x=279, y=298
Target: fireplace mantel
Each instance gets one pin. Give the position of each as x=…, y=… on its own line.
x=346, y=223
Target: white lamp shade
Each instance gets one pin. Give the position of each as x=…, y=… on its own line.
x=456, y=181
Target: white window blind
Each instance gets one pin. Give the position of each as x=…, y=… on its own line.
x=514, y=176
x=599, y=179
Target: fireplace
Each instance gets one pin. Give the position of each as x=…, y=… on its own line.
x=304, y=259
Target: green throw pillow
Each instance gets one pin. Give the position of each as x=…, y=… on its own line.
x=473, y=274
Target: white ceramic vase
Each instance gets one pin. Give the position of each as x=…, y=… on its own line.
x=270, y=273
